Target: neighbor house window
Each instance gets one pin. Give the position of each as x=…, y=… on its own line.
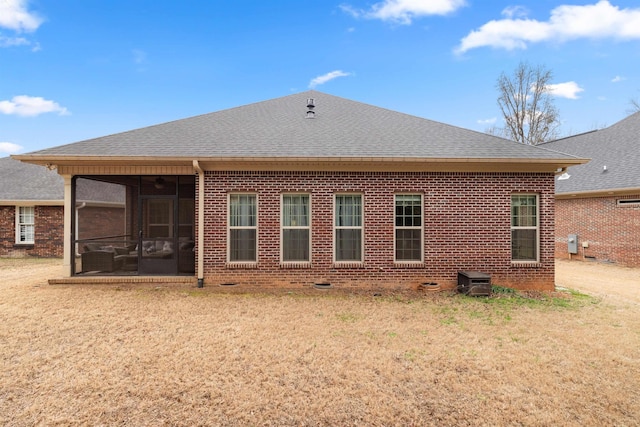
x=243, y=228
x=524, y=227
x=25, y=224
x=408, y=227
x=296, y=228
x=629, y=202
x=348, y=227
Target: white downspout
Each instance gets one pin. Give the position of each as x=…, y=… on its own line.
x=200, y=242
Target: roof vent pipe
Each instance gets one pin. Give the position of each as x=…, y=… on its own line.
x=310, y=105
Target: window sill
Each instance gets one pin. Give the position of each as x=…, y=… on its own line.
x=408, y=264
x=251, y=265
x=295, y=264
x=24, y=245
x=525, y=264
x=348, y=264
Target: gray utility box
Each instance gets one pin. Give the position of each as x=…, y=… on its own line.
x=572, y=243
x=474, y=283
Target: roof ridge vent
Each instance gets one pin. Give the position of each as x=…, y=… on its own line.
x=310, y=106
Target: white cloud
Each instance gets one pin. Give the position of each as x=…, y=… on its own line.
x=618, y=79
x=13, y=41
x=490, y=121
x=404, y=11
x=515, y=12
x=18, y=41
x=568, y=90
x=327, y=77
x=15, y=16
x=24, y=105
x=567, y=22
x=9, y=148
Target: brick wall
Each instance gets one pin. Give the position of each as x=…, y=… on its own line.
x=49, y=230
x=612, y=231
x=95, y=221
x=466, y=227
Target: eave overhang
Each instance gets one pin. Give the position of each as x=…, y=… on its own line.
x=27, y=202
x=69, y=164
x=598, y=193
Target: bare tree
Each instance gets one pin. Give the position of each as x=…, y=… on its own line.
x=526, y=102
x=634, y=106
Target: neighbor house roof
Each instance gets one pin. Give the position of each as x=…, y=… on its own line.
x=24, y=183
x=615, y=159
x=278, y=129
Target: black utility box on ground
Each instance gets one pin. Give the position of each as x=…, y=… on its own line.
x=474, y=283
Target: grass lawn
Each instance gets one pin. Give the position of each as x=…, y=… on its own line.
x=144, y=355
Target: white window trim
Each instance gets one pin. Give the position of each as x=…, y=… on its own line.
x=229, y=228
x=291, y=227
x=19, y=224
x=536, y=227
x=421, y=228
x=361, y=228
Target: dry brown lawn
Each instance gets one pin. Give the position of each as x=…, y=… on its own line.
x=144, y=355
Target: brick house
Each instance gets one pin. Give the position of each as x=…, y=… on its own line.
x=599, y=202
x=32, y=210
x=315, y=190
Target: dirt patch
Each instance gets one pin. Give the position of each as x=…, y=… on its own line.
x=607, y=281
x=106, y=355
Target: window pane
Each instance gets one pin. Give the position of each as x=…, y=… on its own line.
x=295, y=245
x=27, y=233
x=26, y=215
x=242, y=245
x=295, y=210
x=408, y=245
x=524, y=211
x=348, y=245
x=524, y=245
x=242, y=210
x=408, y=210
x=349, y=211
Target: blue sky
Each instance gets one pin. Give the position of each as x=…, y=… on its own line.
x=72, y=70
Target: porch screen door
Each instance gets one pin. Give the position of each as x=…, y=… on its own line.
x=157, y=240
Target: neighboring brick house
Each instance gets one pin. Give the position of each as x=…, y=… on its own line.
x=312, y=189
x=599, y=202
x=32, y=210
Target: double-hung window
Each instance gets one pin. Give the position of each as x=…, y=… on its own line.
x=25, y=225
x=348, y=227
x=408, y=228
x=296, y=228
x=524, y=228
x=243, y=228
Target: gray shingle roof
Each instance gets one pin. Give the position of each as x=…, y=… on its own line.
x=278, y=128
x=616, y=147
x=21, y=181
x=25, y=182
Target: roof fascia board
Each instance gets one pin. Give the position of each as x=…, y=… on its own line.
x=154, y=165
x=598, y=193
x=23, y=202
